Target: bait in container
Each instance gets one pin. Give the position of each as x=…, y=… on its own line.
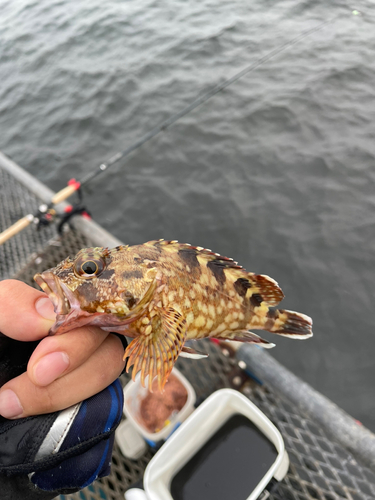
x=156, y=415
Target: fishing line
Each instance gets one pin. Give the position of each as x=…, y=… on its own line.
x=198, y=102
x=46, y=213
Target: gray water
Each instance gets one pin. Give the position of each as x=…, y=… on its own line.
x=277, y=171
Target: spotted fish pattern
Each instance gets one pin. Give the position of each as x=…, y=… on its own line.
x=163, y=293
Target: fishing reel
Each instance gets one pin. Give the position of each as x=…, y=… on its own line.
x=44, y=216
x=76, y=209
x=70, y=211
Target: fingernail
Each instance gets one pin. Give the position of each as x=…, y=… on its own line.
x=10, y=406
x=45, y=308
x=50, y=367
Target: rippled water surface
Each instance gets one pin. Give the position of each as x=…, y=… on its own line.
x=277, y=171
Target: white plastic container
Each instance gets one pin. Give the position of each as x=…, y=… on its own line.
x=197, y=430
x=134, y=393
x=135, y=494
x=130, y=442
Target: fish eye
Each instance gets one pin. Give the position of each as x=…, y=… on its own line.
x=89, y=268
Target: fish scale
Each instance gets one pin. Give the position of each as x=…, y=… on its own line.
x=163, y=293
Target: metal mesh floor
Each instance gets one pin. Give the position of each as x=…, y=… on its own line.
x=319, y=469
x=16, y=202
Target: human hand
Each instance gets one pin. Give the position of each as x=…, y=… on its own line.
x=62, y=370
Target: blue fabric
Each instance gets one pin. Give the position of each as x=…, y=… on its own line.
x=98, y=415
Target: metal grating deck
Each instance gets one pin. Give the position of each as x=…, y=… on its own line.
x=15, y=202
x=320, y=468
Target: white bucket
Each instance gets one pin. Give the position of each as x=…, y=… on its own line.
x=197, y=430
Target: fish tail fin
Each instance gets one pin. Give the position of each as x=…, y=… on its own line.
x=289, y=324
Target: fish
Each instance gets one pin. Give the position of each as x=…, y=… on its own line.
x=162, y=294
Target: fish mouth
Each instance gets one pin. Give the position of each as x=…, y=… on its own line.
x=69, y=314
x=65, y=304
x=51, y=285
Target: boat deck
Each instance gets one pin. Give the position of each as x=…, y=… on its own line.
x=321, y=465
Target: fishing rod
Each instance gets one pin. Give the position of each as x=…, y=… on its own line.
x=46, y=213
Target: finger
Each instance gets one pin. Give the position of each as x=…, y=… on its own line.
x=57, y=356
x=21, y=398
x=26, y=313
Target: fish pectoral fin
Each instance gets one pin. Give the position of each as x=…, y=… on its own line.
x=155, y=353
x=189, y=352
x=146, y=299
x=246, y=336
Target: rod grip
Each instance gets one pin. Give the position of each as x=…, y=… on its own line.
x=16, y=228
x=64, y=194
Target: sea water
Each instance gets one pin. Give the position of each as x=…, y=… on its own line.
x=277, y=171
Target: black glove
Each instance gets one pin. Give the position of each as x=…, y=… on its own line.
x=62, y=452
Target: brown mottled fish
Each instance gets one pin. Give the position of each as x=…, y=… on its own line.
x=163, y=293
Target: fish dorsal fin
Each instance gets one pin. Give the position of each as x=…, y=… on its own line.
x=259, y=287
x=174, y=245
x=156, y=349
